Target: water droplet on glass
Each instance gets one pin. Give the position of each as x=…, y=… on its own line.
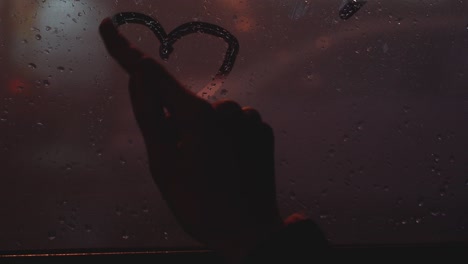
x=122, y=161
x=452, y=159
x=166, y=235
x=32, y=65
x=421, y=202
x=292, y=195
x=418, y=220
x=71, y=226
x=88, y=228
x=51, y=235
x=360, y=125
x=125, y=235
x=406, y=109
x=46, y=83
x=323, y=216
x=60, y=68
x=442, y=191
x=399, y=201
x=48, y=28
x=38, y=36
x=345, y=138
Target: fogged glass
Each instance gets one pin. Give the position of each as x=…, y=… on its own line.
x=369, y=113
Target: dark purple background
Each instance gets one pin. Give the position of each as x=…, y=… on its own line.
x=370, y=117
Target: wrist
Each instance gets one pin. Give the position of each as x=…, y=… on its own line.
x=299, y=239
x=249, y=239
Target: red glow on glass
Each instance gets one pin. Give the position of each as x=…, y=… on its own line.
x=17, y=86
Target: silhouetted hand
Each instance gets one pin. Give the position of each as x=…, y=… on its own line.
x=213, y=163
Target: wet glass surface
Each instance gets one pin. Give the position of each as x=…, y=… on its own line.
x=369, y=112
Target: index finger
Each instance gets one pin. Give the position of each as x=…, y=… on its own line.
x=181, y=103
x=119, y=47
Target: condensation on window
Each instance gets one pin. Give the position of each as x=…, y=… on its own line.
x=369, y=112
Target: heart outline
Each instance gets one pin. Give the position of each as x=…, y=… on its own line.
x=167, y=40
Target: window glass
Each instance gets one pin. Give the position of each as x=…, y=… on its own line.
x=369, y=111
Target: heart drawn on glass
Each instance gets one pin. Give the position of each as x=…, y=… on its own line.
x=167, y=41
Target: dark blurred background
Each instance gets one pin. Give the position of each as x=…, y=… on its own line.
x=370, y=116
